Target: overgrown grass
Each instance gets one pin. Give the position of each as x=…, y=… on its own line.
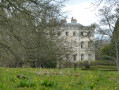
x=59, y=79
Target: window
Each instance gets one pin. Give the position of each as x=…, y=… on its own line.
x=59, y=33
x=89, y=44
x=81, y=33
x=74, y=43
x=82, y=44
x=67, y=43
x=82, y=57
x=67, y=33
x=74, y=33
x=74, y=57
x=89, y=34
x=89, y=57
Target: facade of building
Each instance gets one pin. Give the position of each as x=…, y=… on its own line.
x=80, y=39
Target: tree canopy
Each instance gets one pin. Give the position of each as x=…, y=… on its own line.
x=28, y=32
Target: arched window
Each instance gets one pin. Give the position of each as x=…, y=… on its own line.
x=74, y=33
x=82, y=44
x=82, y=57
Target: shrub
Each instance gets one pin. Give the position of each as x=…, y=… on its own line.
x=103, y=62
x=85, y=63
x=44, y=63
x=87, y=66
x=1, y=86
x=69, y=64
x=47, y=83
x=26, y=83
x=49, y=64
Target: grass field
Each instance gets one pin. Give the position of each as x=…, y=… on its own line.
x=98, y=78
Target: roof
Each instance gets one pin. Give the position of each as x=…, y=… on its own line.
x=75, y=26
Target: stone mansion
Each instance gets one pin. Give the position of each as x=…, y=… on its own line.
x=80, y=38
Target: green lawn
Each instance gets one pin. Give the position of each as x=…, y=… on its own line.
x=98, y=78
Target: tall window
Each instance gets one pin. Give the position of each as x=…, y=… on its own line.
x=81, y=33
x=67, y=33
x=74, y=43
x=74, y=33
x=74, y=57
x=82, y=57
x=67, y=43
x=82, y=44
x=89, y=44
x=89, y=57
x=59, y=33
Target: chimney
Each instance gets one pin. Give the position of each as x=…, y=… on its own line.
x=73, y=20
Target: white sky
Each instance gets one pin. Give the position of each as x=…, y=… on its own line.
x=82, y=10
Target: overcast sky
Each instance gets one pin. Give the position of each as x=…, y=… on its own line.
x=82, y=10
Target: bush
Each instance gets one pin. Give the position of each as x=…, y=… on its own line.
x=47, y=83
x=85, y=63
x=44, y=64
x=87, y=66
x=69, y=64
x=26, y=83
x=49, y=64
x=103, y=62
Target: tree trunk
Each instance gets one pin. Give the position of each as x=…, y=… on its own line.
x=117, y=55
x=117, y=64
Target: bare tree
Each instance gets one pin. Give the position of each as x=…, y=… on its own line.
x=28, y=31
x=108, y=27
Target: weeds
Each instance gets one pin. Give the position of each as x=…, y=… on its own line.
x=26, y=83
x=47, y=83
x=58, y=79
